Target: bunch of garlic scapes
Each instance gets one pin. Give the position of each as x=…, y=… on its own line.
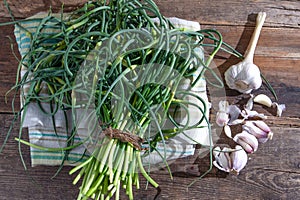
x=244, y=77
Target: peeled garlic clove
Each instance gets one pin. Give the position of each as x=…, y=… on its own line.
x=239, y=159
x=263, y=99
x=249, y=105
x=227, y=131
x=247, y=141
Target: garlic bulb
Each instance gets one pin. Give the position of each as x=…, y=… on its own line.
x=245, y=76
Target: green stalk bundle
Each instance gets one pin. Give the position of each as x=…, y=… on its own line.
x=110, y=56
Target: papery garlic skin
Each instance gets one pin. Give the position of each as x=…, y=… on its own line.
x=259, y=129
x=247, y=141
x=239, y=159
x=280, y=108
x=227, y=113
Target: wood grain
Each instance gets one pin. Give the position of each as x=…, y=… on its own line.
x=280, y=13
x=273, y=172
x=270, y=178
x=278, y=59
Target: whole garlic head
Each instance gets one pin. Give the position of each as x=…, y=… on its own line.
x=245, y=76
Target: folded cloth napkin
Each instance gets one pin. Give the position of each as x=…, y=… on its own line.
x=42, y=132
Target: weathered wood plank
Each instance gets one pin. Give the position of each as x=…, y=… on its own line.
x=272, y=172
x=273, y=42
x=281, y=69
x=241, y=12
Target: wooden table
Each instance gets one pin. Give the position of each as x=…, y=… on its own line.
x=273, y=172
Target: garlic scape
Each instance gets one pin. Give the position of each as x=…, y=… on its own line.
x=245, y=76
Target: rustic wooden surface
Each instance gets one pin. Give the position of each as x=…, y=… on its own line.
x=273, y=172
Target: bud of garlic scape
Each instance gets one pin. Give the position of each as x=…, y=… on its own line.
x=247, y=141
x=259, y=129
x=239, y=159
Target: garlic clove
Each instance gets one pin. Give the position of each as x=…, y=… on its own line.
x=236, y=122
x=216, y=151
x=239, y=159
x=263, y=99
x=247, y=141
x=259, y=129
x=222, y=119
x=227, y=131
x=252, y=113
x=222, y=159
x=223, y=106
x=249, y=105
x=262, y=125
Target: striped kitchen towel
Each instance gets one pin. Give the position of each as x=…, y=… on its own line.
x=40, y=126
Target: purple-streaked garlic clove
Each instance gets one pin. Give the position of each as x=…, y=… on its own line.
x=222, y=117
x=259, y=129
x=247, y=141
x=239, y=159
